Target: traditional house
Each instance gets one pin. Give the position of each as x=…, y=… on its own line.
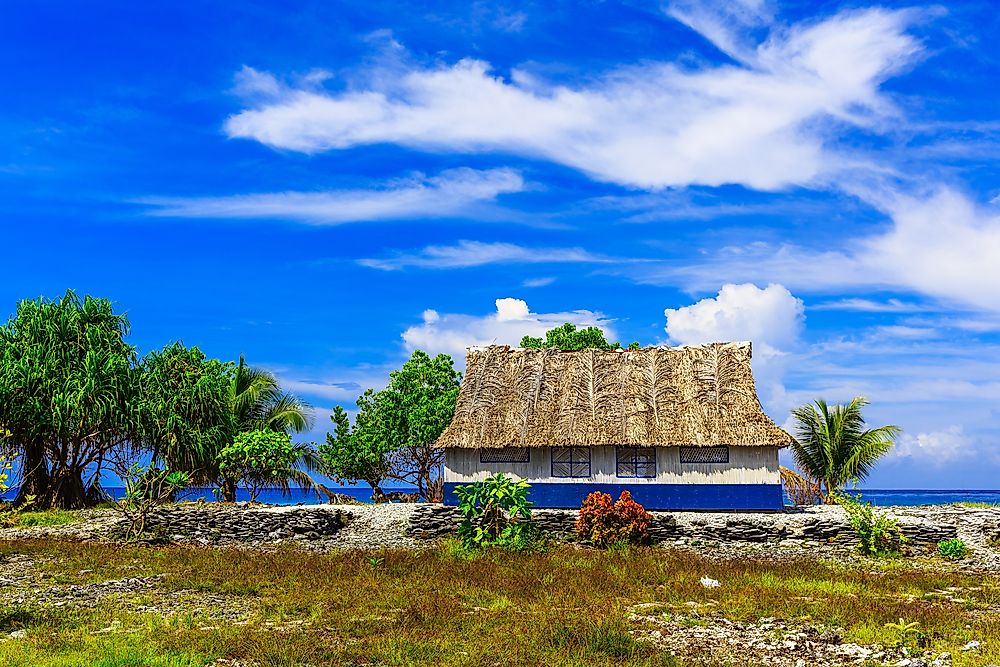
x=680, y=428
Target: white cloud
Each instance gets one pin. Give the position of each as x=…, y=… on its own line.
x=452, y=333
x=940, y=245
x=935, y=448
x=872, y=306
x=453, y=192
x=465, y=254
x=763, y=123
x=771, y=318
x=538, y=282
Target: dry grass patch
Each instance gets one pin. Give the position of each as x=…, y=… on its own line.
x=565, y=607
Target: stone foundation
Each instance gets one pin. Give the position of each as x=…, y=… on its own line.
x=219, y=524
x=813, y=524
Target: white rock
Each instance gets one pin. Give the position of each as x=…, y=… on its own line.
x=972, y=646
x=708, y=582
x=18, y=634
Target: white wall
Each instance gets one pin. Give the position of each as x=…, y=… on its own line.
x=747, y=465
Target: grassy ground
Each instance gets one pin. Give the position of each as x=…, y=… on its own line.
x=43, y=518
x=566, y=607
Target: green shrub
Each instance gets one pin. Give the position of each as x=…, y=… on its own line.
x=606, y=523
x=953, y=549
x=878, y=533
x=497, y=512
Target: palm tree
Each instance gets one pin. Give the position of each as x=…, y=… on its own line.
x=833, y=447
x=258, y=403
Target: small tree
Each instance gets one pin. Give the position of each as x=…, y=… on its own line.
x=146, y=488
x=353, y=454
x=833, y=447
x=396, y=429
x=261, y=459
x=568, y=337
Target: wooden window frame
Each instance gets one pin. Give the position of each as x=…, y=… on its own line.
x=577, y=463
x=639, y=458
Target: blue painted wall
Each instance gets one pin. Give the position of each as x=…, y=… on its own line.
x=655, y=496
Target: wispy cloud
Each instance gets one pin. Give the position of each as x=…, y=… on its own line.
x=454, y=192
x=764, y=122
x=940, y=245
x=464, y=254
x=872, y=306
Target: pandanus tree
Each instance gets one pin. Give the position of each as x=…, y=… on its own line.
x=833, y=446
x=185, y=411
x=68, y=383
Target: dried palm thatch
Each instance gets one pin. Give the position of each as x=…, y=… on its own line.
x=663, y=396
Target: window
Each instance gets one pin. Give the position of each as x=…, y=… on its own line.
x=571, y=461
x=504, y=455
x=636, y=461
x=705, y=454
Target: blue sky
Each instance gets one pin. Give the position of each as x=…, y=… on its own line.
x=327, y=188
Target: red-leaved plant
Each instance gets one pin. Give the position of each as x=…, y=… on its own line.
x=604, y=522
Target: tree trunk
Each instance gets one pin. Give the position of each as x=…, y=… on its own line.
x=228, y=491
x=377, y=494
x=66, y=490
x=34, y=474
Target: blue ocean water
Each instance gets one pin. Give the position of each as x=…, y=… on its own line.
x=882, y=497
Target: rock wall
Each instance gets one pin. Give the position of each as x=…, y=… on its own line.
x=821, y=524
x=218, y=524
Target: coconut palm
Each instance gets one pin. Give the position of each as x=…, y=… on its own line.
x=833, y=447
x=258, y=403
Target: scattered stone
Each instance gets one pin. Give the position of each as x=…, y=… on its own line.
x=708, y=582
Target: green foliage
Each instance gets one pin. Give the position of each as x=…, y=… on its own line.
x=258, y=459
x=258, y=403
x=496, y=512
x=606, y=523
x=878, y=534
x=10, y=513
x=833, y=447
x=146, y=488
x=185, y=410
x=396, y=428
x=908, y=634
x=953, y=549
x=67, y=385
x=568, y=337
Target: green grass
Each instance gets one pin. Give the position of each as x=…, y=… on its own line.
x=44, y=518
x=447, y=607
x=977, y=504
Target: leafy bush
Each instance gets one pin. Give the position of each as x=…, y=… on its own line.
x=497, y=512
x=953, y=549
x=878, y=533
x=258, y=459
x=606, y=523
x=145, y=490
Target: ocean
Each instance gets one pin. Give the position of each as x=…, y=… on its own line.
x=881, y=497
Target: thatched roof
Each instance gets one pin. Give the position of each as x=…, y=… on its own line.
x=655, y=396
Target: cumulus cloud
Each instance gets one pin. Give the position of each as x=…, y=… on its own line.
x=935, y=448
x=451, y=193
x=763, y=122
x=465, y=254
x=771, y=318
x=452, y=333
